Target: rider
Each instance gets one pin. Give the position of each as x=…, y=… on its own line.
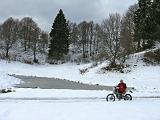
x=121, y=88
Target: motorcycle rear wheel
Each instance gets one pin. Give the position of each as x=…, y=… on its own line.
x=127, y=97
x=110, y=97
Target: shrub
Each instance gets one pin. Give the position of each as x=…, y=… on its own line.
x=152, y=57
x=116, y=67
x=82, y=71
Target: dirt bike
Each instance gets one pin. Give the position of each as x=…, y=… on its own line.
x=116, y=94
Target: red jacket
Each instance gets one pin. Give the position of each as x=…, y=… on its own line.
x=121, y=87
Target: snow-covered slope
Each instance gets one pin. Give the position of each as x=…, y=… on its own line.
x=141, y=77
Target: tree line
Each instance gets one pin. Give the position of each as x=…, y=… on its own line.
x=23, y=34
x=113, y=39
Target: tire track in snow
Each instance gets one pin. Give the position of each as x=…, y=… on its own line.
x=72, y=99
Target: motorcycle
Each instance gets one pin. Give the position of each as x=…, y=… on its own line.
x=116, y=95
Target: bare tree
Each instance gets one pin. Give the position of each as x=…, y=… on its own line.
x=9, y=34
x=83, y=37
x=43, y=42
x=35, y=38
x=99, y=49
x=74, y=33
x=90, y=36
x=26, y=31
x=111, y=36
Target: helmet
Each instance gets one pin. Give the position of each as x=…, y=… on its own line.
x=121, y=81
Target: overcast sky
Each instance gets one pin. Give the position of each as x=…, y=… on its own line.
x=44, y=11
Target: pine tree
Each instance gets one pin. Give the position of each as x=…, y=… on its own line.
x=143, y=24
x=127, y=30
x=156, y=15
x=59, y=43
x=156, y=11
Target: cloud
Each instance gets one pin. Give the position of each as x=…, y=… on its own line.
x=44, y=11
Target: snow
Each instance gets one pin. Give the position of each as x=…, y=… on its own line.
x=7, y=81
x=21, y=93
x=53, y=93
x=74, y=105
x=101, y=110
x=141, y=77
x=53, y=104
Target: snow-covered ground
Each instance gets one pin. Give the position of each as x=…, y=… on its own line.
x=7, y=81
x=69, y=94
x=37, y=110
x=43, y=104
x=141, y=77
x=135, y=110
x=39, y=104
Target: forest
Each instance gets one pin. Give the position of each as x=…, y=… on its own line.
x=113, y=39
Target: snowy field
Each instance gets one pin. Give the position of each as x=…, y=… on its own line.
x=31, y=104
x=68, y=94
x=49, y=110
x=44, y=104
